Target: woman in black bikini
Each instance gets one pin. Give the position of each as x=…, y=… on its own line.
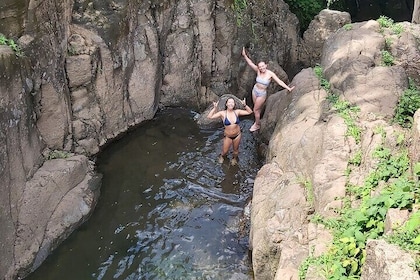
x=230, y=118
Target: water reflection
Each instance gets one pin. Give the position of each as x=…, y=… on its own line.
x=167, y=210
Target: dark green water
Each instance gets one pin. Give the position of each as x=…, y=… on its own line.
x=167, y=209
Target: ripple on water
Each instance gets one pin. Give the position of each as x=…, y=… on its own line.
x=167, y=210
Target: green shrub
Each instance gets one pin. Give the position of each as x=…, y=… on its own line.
x=305, y=10
x=397, y=28
x=348, y=27
x=347, y=111
x=58, y=154
x=385, y=22
x=408, y=104
x=355, y=225
x=12, y=44
x=387, y=58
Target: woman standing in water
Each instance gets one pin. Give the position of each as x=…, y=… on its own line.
x=230, y=117
x=259, y=91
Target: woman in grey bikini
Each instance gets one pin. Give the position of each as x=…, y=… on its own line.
x=230, y=118
x=259, y=91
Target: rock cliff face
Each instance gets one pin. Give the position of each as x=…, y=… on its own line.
x=310, y=147
x=92, y=69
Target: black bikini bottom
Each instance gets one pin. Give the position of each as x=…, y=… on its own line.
x=234, y=137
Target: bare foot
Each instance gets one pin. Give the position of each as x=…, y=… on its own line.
x=254, y=127
x=221, y=159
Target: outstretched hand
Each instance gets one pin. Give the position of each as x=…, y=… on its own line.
x=243, y=102
x=291, y=88
x=215, y=104
x=243, y=51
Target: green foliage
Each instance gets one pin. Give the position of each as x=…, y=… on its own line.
x=303, y=268
x=318, y=71
x=416, y=169
x=385, y=22
x=330, y=2
x=344, y=108
x=348, y=27
x=399, y=188
x=356, y=159
x=3, y=40
x=400, y=138
x=380, y=130
x=387, y=58
x=408, y=237
x=348, y=113
x=388, y=43
x=305, y=10
x=309, y=191
x=408, y=104
x=356, y=225
x=71, y=51
x=57, y=154
x=12, y=44
x=239, y=7
x=325, y=84
x=397, y=28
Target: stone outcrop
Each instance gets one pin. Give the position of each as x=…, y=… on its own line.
x=308, y=145
x=88, y=72
x=388, y=261
x=321, y=27
x=59, y=197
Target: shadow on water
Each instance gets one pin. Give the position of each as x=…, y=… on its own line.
x=167, y=209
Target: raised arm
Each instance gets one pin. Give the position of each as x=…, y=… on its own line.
x=212, y=114
x=245, y=112
x=280, y=82
x=249, y=61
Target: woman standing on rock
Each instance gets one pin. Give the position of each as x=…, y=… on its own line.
x=230, y=117
x=259, y=91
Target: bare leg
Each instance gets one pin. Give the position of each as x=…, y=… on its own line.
x=258, y=105
x=227, y=142
x=236, y=142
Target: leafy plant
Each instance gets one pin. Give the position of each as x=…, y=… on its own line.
x=387, y=58
x=348, y=113
x=11, y=43
x=58, y=154
x=239, y=7
x=344, y=108
x=408, y=237
x=348, y=27
x=303, y=268
x=309, y=191
x=397, y=28
x=325, y=84
x=305, y=10
x=356, y=159
x=388, y=43
x=355, y=225
x=3, y=40
x=408, y=104
x=385, y=22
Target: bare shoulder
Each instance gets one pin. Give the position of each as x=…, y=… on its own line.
x=271, y=73
x=241, y=112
